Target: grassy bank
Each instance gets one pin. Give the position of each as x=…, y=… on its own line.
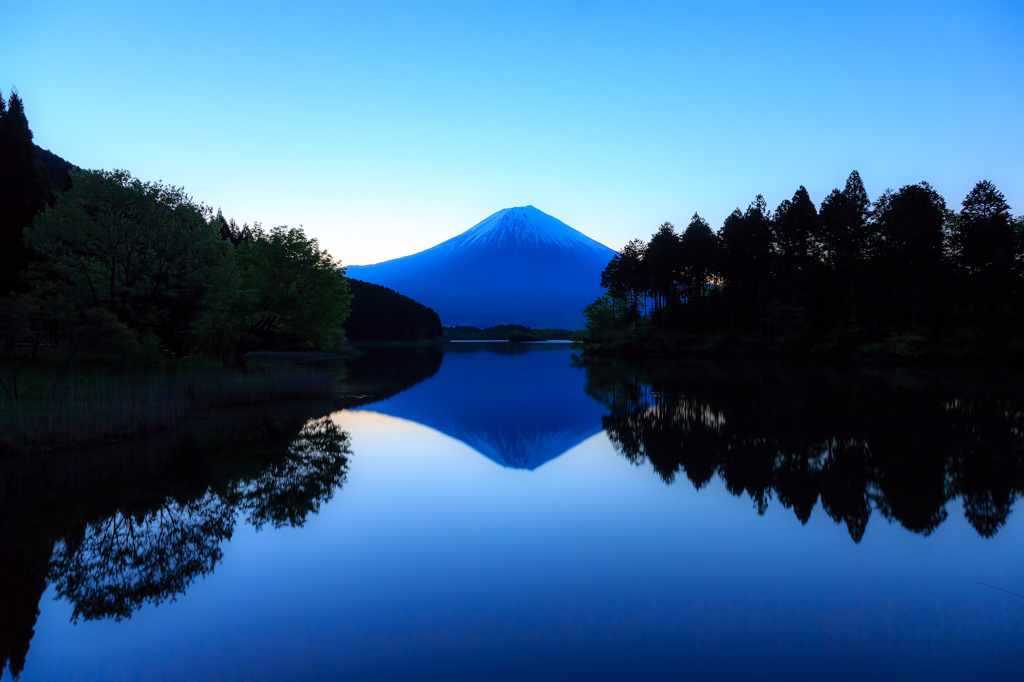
x=97, y=404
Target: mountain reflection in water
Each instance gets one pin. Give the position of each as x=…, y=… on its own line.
x=518, y=411
x=904, y=442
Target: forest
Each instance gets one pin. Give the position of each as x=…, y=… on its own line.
x=903, y=276
x=100, y=261
x=127, y=306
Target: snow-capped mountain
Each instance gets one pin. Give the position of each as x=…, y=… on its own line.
x=517, y=266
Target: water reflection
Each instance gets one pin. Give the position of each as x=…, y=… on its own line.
x=900, y=441
x=519, y=405
x=118, y=529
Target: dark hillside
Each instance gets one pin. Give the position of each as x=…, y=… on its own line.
x=57, y=170
x=381, y=314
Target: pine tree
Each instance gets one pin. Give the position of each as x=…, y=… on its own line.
x=24, y=190
x=984, y=247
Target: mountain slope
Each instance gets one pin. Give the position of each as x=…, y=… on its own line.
x=519, y=266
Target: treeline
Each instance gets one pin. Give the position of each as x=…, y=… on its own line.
x=897, y=275
x=109, y=263
x=515, y=333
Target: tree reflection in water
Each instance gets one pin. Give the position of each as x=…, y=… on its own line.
x=110, y=568
x=136, y=523
x=904, y=442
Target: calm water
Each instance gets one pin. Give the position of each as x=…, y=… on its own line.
x=508, y=513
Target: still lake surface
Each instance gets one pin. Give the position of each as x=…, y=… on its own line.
x=507, y=512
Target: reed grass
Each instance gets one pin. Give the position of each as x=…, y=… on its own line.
x=90, y=408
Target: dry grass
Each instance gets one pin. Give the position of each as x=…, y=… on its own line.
x=97, y=407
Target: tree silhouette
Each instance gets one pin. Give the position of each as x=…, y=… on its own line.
x=661, y=260
x=24, y=189
x=910, y=226
x=287, y=491
x=626, y=279
x=112, y=567
x=746, y=261
x=984, y=245
x=699, y=251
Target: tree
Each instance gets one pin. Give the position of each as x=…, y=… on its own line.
x=842, y=235
x=24, y=190
x=600, y=317
x=142, y=251
x=793, y=229
x=662, y=261
x=984, y=248
x=699, y=250
x=625, y=279
x=300, y=298
x=910, y=225
x=746, y=259
x=843, y=243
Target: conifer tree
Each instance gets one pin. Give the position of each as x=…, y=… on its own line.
x=24, y=190
x=984, y=246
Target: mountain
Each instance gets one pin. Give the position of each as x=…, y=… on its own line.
x=518, y=266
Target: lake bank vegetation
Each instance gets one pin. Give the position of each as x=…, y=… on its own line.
x=904, y=276
x=112, y=288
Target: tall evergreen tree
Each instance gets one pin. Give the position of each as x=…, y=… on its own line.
x=793, y=229
x=662, y=259
x=984, y=247
x=24, y=190
x=746, y=260
x=699, y=254
x=910, y=226
x=625, y=278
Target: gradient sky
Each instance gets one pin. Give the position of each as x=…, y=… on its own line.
x=385, y=127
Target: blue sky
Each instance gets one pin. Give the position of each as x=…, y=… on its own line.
x=384, y=128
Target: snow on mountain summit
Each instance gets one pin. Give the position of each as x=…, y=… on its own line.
x=522, y=225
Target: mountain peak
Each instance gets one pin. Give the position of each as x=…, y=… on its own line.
x=522, y=225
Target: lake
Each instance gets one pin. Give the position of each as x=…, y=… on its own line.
x=509, y=512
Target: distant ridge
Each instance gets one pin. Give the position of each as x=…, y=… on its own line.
x=517, y=266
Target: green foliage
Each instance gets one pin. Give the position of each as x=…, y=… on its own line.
x=302, y=298
x=600, y=316
x=626, y=279
x=141, y=251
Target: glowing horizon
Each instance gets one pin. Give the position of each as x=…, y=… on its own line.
x=386, y=129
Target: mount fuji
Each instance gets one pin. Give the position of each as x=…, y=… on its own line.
x=517, y=266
